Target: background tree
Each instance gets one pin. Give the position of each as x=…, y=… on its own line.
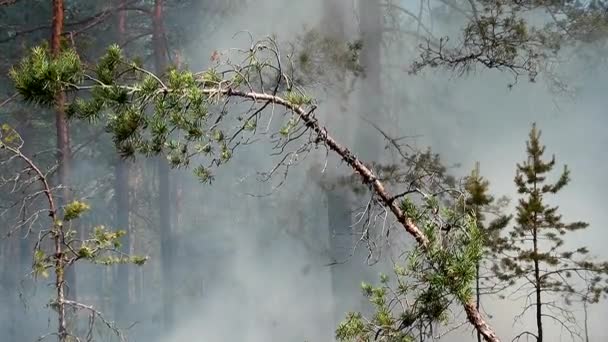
x=535, y=248
x=480, y=203
x=58, y=246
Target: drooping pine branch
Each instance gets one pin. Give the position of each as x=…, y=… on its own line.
x=154, y=114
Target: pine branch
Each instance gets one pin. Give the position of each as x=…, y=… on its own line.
x=368, y=177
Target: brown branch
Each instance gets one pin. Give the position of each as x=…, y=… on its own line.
x=41, y=177
x=368, y=177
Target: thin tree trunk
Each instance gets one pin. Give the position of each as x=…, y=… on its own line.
x=539, y=315
x=478, y=295
x=537, y=280
x=586, y=320
x=63, y=133
x=160, y=60
x=60, y=287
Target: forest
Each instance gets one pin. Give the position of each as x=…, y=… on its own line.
x=321, y=170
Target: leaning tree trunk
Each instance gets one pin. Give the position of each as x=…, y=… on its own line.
x=164, y=192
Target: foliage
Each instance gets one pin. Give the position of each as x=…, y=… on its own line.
x=521, y=37
x=479, y=203
x=427, y=285
x=177, y=114
x=40, y=77
x=183, y=115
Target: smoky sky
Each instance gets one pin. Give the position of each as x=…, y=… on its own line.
x=255, y=268
x=468, y=119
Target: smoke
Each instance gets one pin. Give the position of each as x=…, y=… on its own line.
x=255, y=268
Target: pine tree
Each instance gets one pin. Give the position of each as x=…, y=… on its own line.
x=479, y=202
x=535, y=251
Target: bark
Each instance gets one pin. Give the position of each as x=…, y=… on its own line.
x=367, y=177
x=478, y=295
x=63, y=132
x=160, y=61
x=121, y=193
x=586, y=318
x=537, y=280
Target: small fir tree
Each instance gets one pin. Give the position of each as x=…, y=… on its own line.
x=535, y=253
x=479, y=203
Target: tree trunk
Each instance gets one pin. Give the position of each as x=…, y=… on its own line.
x=537, y=280
x=586, y=318
x=160, y=61
x=478, y=295
x=63, y=134
x=539, y=305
